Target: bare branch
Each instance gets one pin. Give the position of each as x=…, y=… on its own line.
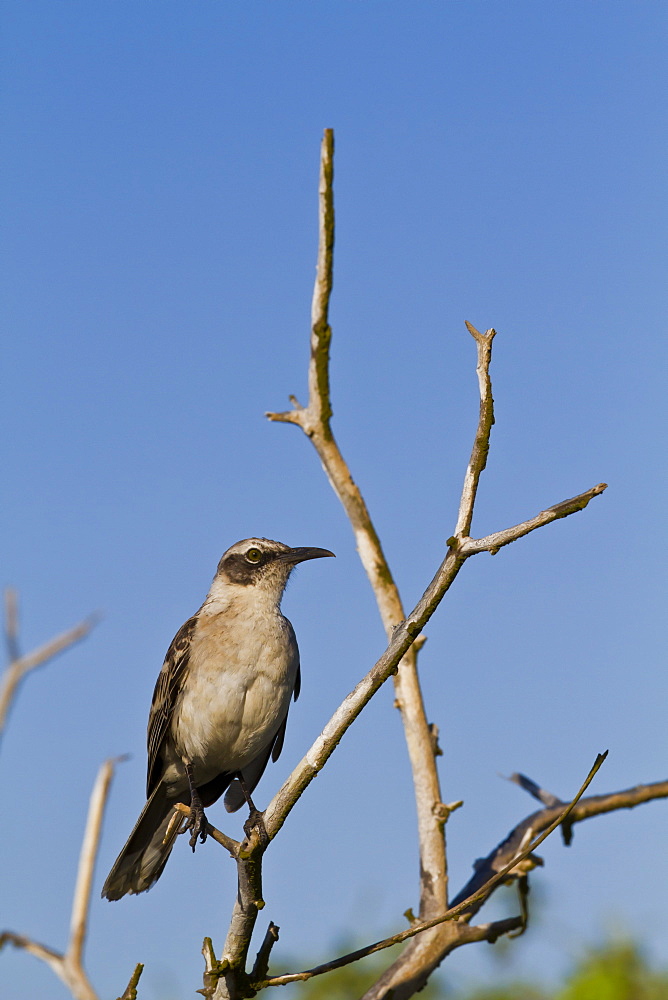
x=419, y=926
x=76, y=980
x=244, y=913
x=87, y=858
x=319, y=411
x=594, y=805
x=523, y=895
x=211, y=971
x=321, y=333
x=41, y=951
x=221, y=838
x=261, y=966
x=402, y=636
x=69, y=966
x=18, y=668
x=492, y=543
x=489, y=932
x=131, y=989
x=478, y=459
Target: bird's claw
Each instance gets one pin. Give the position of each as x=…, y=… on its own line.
x=198, y=824
x=255, y=821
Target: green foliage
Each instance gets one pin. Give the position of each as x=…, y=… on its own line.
x=617, y=970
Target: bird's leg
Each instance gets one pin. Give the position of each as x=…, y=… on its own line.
x=256, y=818
x=197, y=822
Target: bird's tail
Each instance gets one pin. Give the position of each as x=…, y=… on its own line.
x=147, y=850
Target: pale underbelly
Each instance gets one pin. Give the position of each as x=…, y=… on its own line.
x=237, y=726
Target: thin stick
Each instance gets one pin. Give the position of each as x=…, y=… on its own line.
x=480, y=450
x=261, y=966
x=221, y=838
x=321, y=333
x=87, y=859
x=418, y=927
x=131, y=989
x=492, y=543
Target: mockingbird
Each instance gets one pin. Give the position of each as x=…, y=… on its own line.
x=220, y=706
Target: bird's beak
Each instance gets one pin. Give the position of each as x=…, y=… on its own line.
x=301, y=555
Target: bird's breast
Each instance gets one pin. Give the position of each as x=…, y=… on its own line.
x=241, y=676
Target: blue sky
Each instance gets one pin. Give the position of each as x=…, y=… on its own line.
x=500, y=163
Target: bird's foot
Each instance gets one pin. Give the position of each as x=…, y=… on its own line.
x=197, y=823
x=255, y=821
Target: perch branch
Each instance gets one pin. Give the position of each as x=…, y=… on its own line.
x=69, y=966
x=227, y=979
x=221, y=838
x=248, y=903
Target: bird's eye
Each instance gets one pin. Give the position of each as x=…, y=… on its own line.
x=253, y=556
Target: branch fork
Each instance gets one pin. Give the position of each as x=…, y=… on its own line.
x=437, y=934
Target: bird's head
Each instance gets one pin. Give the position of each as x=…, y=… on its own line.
x=262, y=564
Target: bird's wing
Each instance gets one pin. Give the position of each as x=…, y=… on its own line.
x=294, y=656
x=169, y=683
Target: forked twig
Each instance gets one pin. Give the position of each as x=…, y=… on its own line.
x=19, y=665
x=69, y=966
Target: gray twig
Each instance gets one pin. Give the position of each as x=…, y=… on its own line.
x=19, y=666
x=69, y=966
